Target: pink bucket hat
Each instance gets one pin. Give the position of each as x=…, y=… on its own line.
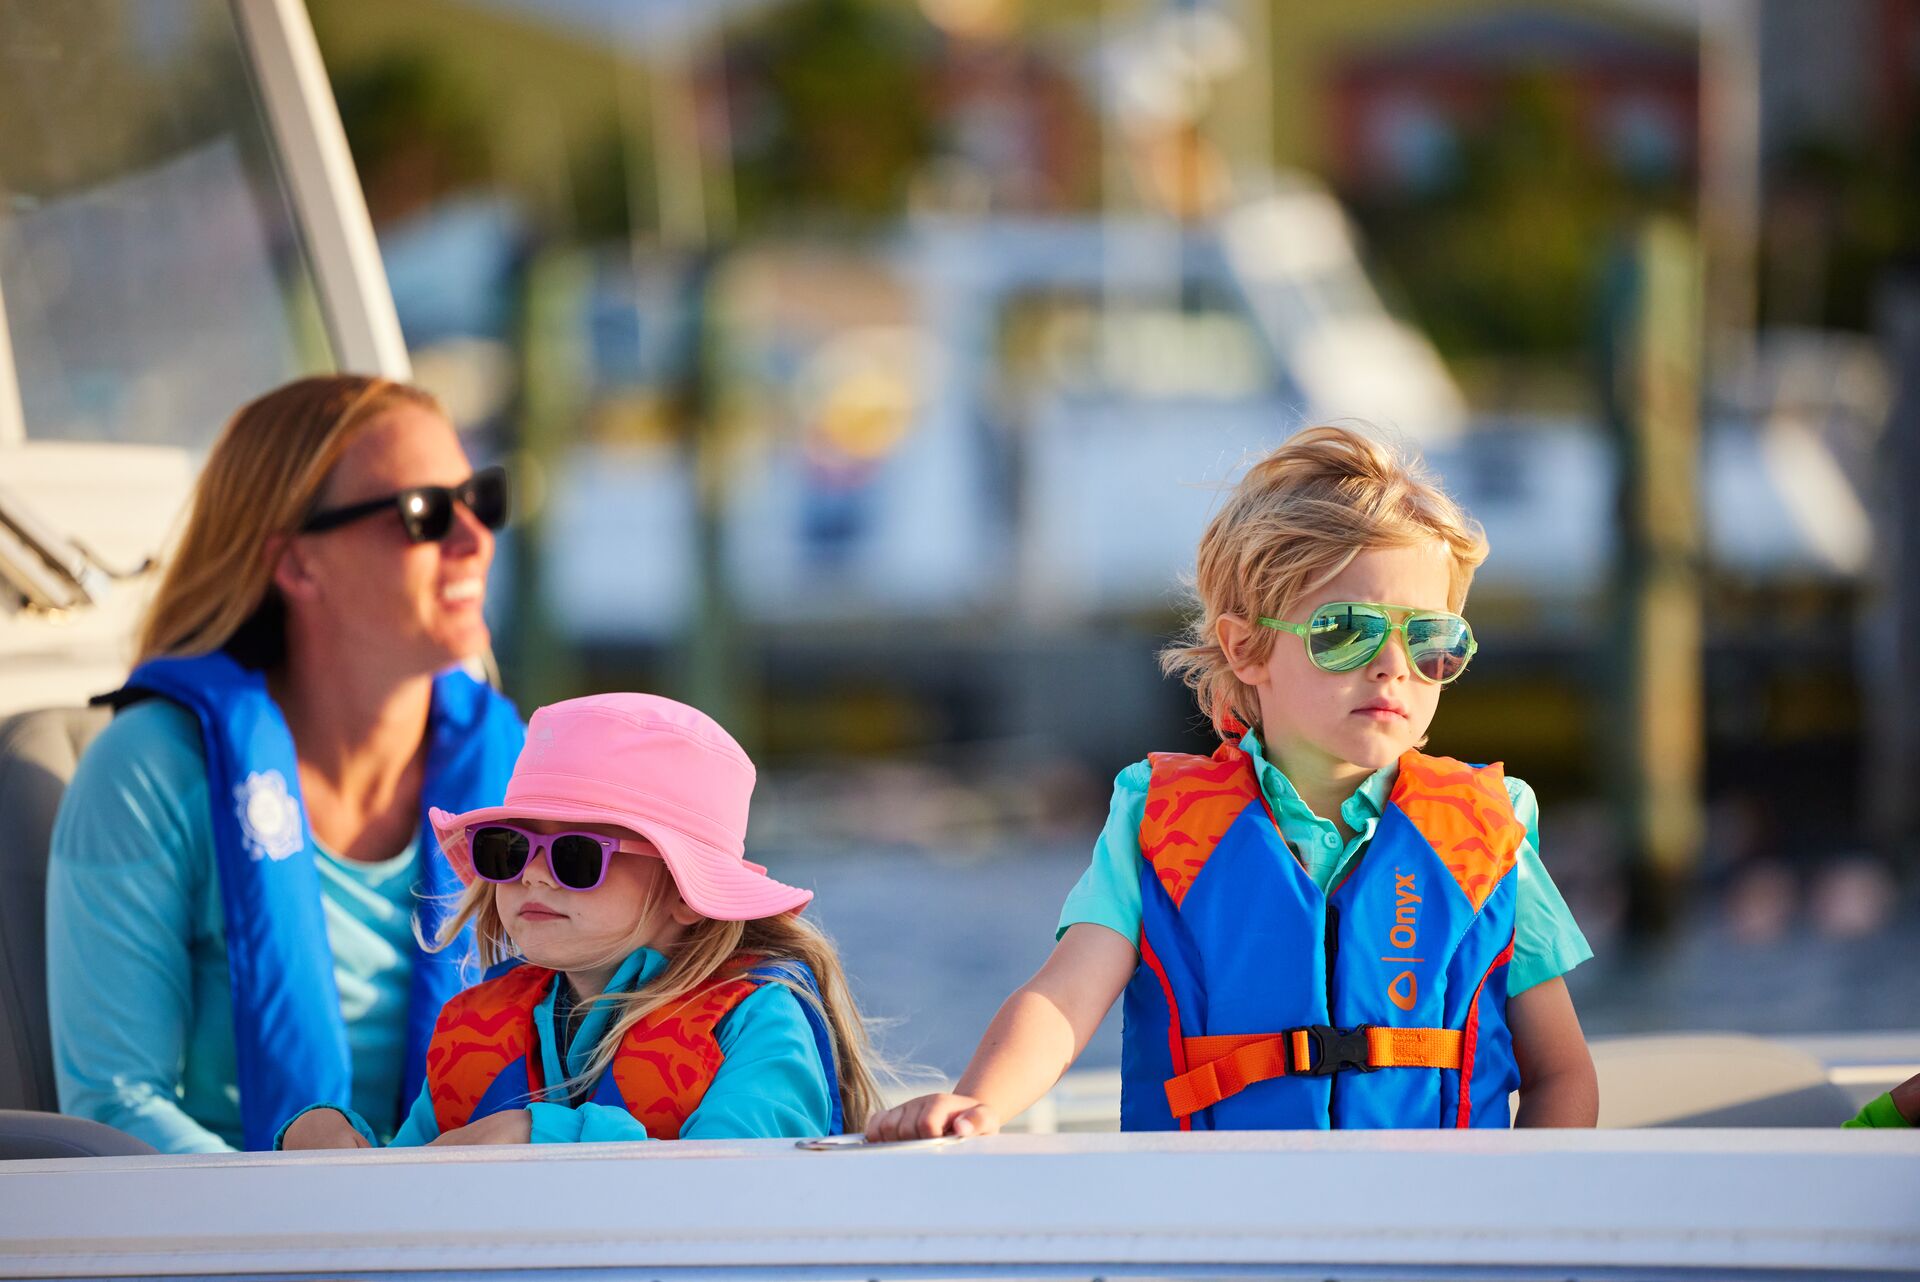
x=659, y=768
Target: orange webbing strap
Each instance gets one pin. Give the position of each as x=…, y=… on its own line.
x=1227, y=1065
x=1414, y=1047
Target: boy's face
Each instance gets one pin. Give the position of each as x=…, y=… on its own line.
x=1366, y=717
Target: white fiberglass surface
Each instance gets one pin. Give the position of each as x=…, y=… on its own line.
x=150, y=269
x=1616, y=1204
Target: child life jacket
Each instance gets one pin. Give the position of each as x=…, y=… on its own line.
x=1262, y=1003
x=289, y=1037
x=485, y=1054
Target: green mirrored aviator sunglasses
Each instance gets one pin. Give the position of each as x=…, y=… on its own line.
x=1344, y=635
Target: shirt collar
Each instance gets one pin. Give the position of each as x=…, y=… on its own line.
x=1367, y=804
x=641, y=967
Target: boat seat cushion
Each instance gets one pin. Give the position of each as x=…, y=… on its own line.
x=38, y=753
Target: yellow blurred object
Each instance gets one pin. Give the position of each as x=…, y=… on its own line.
x=866, y=414
x=631, y=418
x=974, y=19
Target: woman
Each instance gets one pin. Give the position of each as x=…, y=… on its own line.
x=236, y=866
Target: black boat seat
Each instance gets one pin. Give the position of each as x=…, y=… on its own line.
x=38, y=753
x=26, y=1137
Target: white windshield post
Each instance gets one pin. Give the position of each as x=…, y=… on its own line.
x=325, y=190
x=13, y=419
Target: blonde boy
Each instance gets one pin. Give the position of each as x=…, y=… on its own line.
x=1319, y=925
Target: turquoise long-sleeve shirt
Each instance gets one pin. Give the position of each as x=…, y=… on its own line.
x=138, y=989
x=771, y=1083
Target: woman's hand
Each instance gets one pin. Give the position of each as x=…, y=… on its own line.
x=322, y=1128
x=514, y=1126
x=932, y=1116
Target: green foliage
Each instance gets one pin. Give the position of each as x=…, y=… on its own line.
x=1504, y=257
x=829, y=111
x=414, y=130
x=1837, y=217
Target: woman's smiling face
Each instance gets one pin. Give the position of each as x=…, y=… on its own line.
x=416, y=605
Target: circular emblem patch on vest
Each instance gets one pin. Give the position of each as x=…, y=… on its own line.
x=269, y=818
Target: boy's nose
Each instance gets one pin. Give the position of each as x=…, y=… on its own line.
x=1394, y=660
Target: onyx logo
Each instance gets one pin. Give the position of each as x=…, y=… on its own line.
x=1403, y=990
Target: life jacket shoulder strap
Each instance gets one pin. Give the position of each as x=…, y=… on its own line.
x=1466, y=816
x=479, y=1033
x=667, y=1061
x=1191, y=802
x=1225, y=1066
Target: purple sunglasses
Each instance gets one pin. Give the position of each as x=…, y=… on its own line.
x=578, y=860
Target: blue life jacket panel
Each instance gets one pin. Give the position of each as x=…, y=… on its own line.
x=290, y=1039
x=1262, y=1003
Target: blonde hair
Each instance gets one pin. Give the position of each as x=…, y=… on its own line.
x=710, y=949
x=261, y=480
x=1295, y=521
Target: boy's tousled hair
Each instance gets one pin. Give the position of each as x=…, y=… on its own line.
x=710, y=949
x=1296, y=520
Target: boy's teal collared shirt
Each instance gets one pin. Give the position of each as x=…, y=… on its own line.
x=771, y=1083
x=1547, y=943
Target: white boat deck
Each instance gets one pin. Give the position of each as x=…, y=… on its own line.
x=1619, y=1204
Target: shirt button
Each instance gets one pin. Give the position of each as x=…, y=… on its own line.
x=1333, y=839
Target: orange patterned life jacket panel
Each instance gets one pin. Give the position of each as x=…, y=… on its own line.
x=1466, y=815
x=663, y=1068
x=1191, y=803
x=479, y=1034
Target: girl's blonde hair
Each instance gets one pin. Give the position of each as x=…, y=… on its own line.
x=710, y=949
x=1294, y=522
x=261, y=480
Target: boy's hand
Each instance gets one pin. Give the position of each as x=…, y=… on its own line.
x=322, y=1128
x=932, y=1116
x=1906, y=1099
x=513, y=1126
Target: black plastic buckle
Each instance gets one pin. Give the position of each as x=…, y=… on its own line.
x=1336, y=1049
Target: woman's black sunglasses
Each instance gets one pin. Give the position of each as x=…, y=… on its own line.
x=426, y=511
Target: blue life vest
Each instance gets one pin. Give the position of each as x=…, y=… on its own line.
x=290, y=1039
x=1261, y=1003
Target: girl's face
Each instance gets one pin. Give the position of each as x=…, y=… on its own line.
x=592, y=931
x=1365, y=718
x=418, y=605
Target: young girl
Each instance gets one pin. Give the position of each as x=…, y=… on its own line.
x=1319, y=925
x=647, y=981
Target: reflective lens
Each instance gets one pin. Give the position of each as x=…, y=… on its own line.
x=499, y=854
x=577, y=860
x=427, y=513
x=485, y=495
x=1440, y=645
x=1344, y=636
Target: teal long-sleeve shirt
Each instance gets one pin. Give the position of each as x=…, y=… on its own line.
x=771, y=1082
x=139, y=995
